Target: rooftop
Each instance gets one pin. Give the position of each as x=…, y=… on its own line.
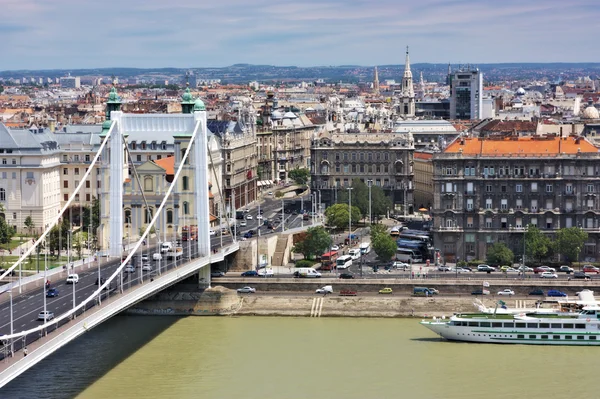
x=521, y=146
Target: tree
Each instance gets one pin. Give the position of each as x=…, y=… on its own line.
x=537, y=245
x=383, y=244
x=337, y=215
x=300, y=175
x=500, y=254
x=316, y=242
x=380, y=204
x=6, y=230
x=569, y=242
x=29, y=224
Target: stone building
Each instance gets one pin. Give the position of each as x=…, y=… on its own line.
x=488, y=190
x=384, y=158
x=423, y=179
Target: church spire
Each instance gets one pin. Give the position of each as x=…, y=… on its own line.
x=376, y=82
x=407, y=98
x=407, y=72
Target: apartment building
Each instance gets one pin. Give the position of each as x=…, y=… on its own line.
x=488, y=190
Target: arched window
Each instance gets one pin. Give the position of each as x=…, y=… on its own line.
x=127, y=215
x=186, y=183
x=399, y=167
x=186, y=208
x=148, y=214
x=148, y=184
x=2, y=194
x=170, y=216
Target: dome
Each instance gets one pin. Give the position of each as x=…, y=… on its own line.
x=591, y=113
x=106, y=125
x=187, y=96
x=520, y=91
x=199, y=105
x=289, y=115
x=276, y=115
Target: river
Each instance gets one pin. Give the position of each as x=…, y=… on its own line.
x=259, y=357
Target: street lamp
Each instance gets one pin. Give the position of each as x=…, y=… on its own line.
x=370, y=183
x=349, y=213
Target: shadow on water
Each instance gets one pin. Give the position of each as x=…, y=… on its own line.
x=70, y=370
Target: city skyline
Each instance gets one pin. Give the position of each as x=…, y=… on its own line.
x=57, y=35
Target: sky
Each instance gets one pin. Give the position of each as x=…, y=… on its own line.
x=72, y=34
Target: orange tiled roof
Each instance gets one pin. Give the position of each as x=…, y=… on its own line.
x=423, y=155
x=167, y=164
x=521, y=146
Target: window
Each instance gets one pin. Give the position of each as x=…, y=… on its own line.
x=518, y=223
x=488, y=203
x=170, y=216
x=549, y=188
x=29, y=175
x=568, y=205
x=65, y=184
x=87, y=157
x=185, y=183
x=76, y=171
x=148, y=184
x=186, y=208
x=549, y=204
x=589, y=223
x=488, y=223
x=534, y=187
x=534, y=222
x=14, y=175
x=590, y=204
x=519, y=203
x=470, y=204
x=65, y=171
x=470, y=221
x=2, y=194
x=548, y=223
x=76, y=158
x=534, y=205
x=519, y=188
x=590, y=188
x=568, y=222
x=488, y=188
x=569, y=188
x=87, y=197
x=148, y=214
x=504, y=204
x=87, y=184
x=76, y=183
x=503, y=223
x=138, y=158
x=503, y=188
x=470, y=237
x=4, y=161
x=449, y=188
x=470, y=188
x=65, y=197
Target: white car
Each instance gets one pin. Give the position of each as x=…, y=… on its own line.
x=157, y=256
x=243, y=223
x=401, y=266
x=129, y=269
x=525, y=269
x=335, y=248
x=45, y=315
x=145, y=258
x=212, y=233
x=259, y=216
x=249, y=217
x=266, y=272
x=147, y=267
x=246, y=290
x=73, y=279
x=506, y=291
x=270, y=193
x=548, y=275
x=511, y=270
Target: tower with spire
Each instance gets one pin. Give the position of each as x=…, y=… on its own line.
x=407, y=96
x=376, y=82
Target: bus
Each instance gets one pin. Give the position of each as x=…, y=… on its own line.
x=395, y=232
x=343, y=262
x=419, y=247
x=328, y=259
x=416, y=235
x=365, y=248
x=408, y=255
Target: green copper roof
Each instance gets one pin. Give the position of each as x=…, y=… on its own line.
x=113, y=97
x=187, y=97
x=199, y=105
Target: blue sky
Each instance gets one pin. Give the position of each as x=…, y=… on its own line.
x=69, y=34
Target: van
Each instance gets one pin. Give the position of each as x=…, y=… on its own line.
x=328, y=289
x=307, y=272
x=423, y=291
x=73, y=279
x=365, y=248
x=354, y=254
x=166, y=247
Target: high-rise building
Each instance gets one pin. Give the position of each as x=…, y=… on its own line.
x=466, y=90
x=70, y=82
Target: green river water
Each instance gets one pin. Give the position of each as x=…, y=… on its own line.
x=259, y=357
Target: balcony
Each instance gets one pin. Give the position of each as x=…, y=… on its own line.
x=446, y=228
x=567, y=193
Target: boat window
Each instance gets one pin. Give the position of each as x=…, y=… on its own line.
x=580, y=337
x=580, y=326
x=532, y=325
x=544, y=337
x=533, y=336
x=485, y=324
x=593, y=337
x=520, y=325
x=521, y=336
x=496, y=324
x=568, y=337
x=509, y=325
x=568, y=325
x=544, y=325
x=556, y=337
x=473, y=324
x=556, y=325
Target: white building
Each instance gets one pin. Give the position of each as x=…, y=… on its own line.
x=466, y=91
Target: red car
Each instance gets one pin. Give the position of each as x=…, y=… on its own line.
x=590, y=269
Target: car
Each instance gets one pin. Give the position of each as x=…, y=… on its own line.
x=156, y=257
x=51, y=293
x=548, y=275
x=401, y=266
x=261, y=211
x=249, y=217
x=537, y=291
x=335, y=247
x=246, y=290
x=217, y=274
x=485, y=268
x=145, y=258
x=259, y=217
x=246, y=210
x=566, y=269
x=243, y=223
x=45, y=315
x=248, y=235
x=270, y=193
x=506, y=291
x=467, y=268
x=211, y=232
x=266, y=272
x=129, y=269
x=503, y=268
x=590, y=269
x=100, y=281
x=541, y=269
x=461, y=270
x=582, y=275
x=73, y=279
x=347, y=293
x=325, y=290
x=556, y=293
x=480, y=292
x=386, y=290
x=444, y=269
x=147, y=267
x=346, y=276
x=525, y=269
x=250, y=273
x=510, y=270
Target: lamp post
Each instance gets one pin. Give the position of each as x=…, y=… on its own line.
x=349, y=214
x=524, y=250
x=12, y=347
x=282, y=216
x=370, y=183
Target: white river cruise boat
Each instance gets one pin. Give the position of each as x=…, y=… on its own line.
x=580, y=329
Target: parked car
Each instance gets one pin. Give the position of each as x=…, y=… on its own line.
x=485, y=268
x=548, y=275
x=250, y=273
x=556, y=293
x=346, y=276
x=581, y=275
x=590, y=269
x=480, y=292
x=386, y=290
x=246, y=290
x=537, y=291
x=51, y=293
x=156, y=257
x=566, y=269
x=401, y=266
x=444, y=269
x=335, y=247
x=217, y=274
x=506, y=291
x=541, y=269
x=45, y=315
x=73, y=279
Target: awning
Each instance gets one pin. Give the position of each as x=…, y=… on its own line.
x=264, y=183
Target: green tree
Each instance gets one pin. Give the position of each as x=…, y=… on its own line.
x=6, y=230
x=380, y=204
x=537, y=245
x=29, y=224
x=316, y=242
x=337, y=215
x=569, y=242
x=500, y=254
x=300, y=175
x=382, y=243
x=57, y=238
